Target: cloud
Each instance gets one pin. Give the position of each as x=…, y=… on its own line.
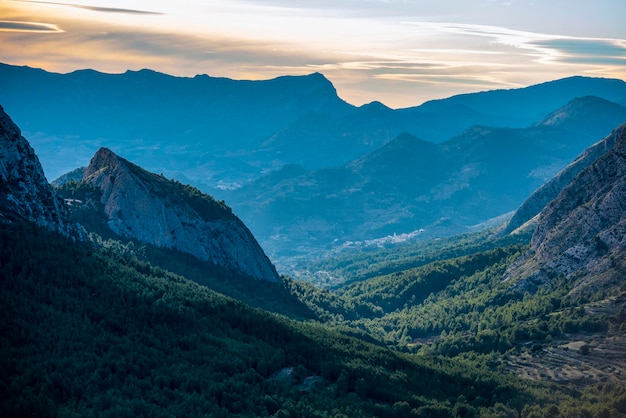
x=540, y=47
x=95, y=8
x=36, y=27
x=588, y=51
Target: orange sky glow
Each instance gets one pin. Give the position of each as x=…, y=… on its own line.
x=397, y=52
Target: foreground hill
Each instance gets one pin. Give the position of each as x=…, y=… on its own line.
x=91, y=332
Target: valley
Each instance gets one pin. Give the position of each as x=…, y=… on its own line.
x=478, y=272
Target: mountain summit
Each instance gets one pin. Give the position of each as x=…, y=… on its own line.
x=165, y=213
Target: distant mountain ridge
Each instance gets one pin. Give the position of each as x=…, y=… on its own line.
x=585, y=113
x=520, y=107
x=165, y=123
x=206, y=130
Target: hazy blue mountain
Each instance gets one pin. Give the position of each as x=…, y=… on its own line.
x=216, y=131
x=165, y=123
x=413, y=185
x=521, y=107
x=587, y=114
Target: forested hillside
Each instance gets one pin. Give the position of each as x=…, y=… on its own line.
x=94, y=331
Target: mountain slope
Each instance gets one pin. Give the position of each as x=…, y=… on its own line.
x=25, y=194
x=88, y=331
x=581, y=234
x=550, y=190
x=147, y=207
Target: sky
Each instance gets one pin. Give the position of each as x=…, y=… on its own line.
x=399, y=52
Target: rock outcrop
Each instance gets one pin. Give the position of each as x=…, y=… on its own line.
x=551, y=189
x=581, y=234
x=151, y=209
x=25, y=194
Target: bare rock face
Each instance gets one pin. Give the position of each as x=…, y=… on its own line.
x=551, y=189
x=581, y=235
x=25, y=194
x=165, y=213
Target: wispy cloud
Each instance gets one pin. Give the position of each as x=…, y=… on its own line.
x=35, y=27
x=586, y=50
x=94, y=8
x=541, y=47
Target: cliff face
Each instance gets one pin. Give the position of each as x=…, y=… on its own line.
x=581, y=234
x=25, y=194
x=164, y=213
x=551, y=189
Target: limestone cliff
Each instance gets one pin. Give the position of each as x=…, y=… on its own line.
x=25, y=194
x=147, y=207
x=551, y=189
x=581, y=234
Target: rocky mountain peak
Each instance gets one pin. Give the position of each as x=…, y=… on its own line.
x=103, y=158
x=152, y=209
x=25, y=194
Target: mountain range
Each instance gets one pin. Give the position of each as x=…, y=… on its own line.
x=90, y=326
x=306, y=171
x=213, y=131
x=413, y=186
